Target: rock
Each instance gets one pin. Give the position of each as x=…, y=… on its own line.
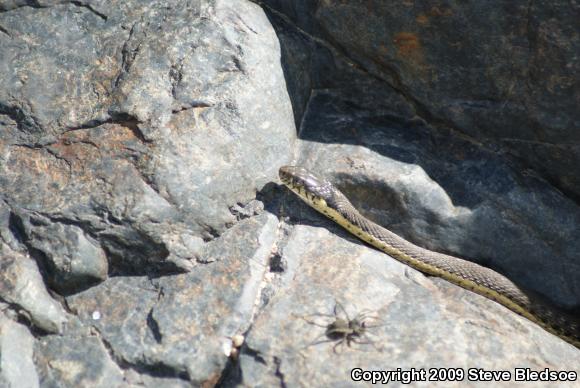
x=132, y=137
x=500, y=72
x=139, y=143
x=105, y=307
x=442, y=191
x=21, y=285
x=445, y=194
x=74, y=261
x=414, y=321
x=134, y=378
x=5, y=235
x=415, y=174
x=173, y=129
x=178, y=325
x=16, y=351
x=75, y=362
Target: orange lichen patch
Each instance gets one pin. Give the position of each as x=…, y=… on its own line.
x=382, y=49
x=74, y=152
x=105, y=154
x=436, y=11
x=35, y=177
x=118, y=138
x=111, y=140
x=422, y=19
x=425, y=18
x=408, y=46
x=80, y=160
x=36, y=163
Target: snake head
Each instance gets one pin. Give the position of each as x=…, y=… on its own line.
x=308, y=186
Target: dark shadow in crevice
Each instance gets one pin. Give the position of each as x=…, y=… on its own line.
x=313, y=63
x=155, y=369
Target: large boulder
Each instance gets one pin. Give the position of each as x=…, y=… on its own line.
x=500, y=71
x=134, y=137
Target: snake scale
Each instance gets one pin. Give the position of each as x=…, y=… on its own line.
x=327, y=199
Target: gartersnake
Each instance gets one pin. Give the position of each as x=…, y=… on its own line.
x=327, y=199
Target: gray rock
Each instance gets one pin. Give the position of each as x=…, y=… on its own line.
x=442, y=191
x=414, y=321
x=21, y=285
x=446, y=194
x=503, y=72
x=132, y=136
x=16, y=352
x=136, y=379
x=118, y=309
x=174, y=128
x=6, y=235
x=181, y=326
x=73, y=260
x=137, y=143
x=76, y=362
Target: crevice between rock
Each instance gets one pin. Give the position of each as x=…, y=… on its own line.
x=25, y=123
x=123, y=119
x=158, y=369
x=91, y=9
x=128, y=56
x=154, y=327
x=279, y=374
x=5, y=31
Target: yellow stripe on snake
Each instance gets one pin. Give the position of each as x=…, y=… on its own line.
x=328, y=200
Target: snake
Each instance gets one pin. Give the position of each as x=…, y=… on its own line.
x=323, y=196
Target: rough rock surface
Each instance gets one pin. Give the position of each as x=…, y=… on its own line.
x=133, y=138
x=16, y=352
x=499, y=71
x=141, y=243
x=445, y=194
x=425, y=181
x=184, y=323
x=419, y=323
x=116, y=141
x=76, y=362
x=21, y=285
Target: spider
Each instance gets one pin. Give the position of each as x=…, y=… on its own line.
x=343, y=329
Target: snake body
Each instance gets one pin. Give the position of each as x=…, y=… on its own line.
x=328, y=200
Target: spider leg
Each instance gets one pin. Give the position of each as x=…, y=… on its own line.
x=336, y=314
x=337, y=345
x=374, y=326
x=320, y=340
x=351, y=338
x=367, y=313
x=363, y=316
x=367, y=341
x=320, y=315
x=315, y=323
x=358, y=341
